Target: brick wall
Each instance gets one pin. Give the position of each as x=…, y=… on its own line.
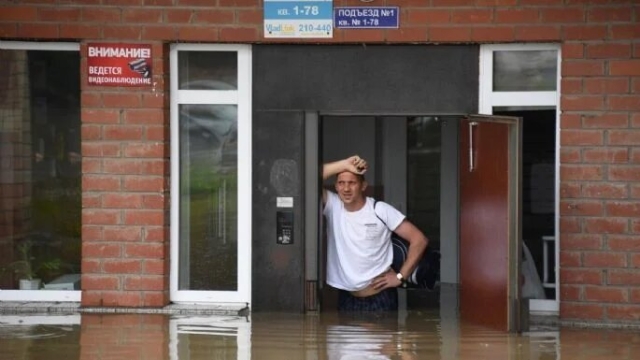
x=125, y=131
x=125, y=217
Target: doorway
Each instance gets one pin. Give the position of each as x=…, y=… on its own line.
x=413, y=167
x=404, y=155
x=291, y=83
x=524, y=80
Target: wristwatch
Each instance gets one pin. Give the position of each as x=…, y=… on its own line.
x=401, y=278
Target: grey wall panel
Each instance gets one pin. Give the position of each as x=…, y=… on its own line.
x=278, y=171
x=449, y=240
x=367, y=79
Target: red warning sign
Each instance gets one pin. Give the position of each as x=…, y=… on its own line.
x=119, y=64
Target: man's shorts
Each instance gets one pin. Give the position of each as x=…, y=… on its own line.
x=386, y=300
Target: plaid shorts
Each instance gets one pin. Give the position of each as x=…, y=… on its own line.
x=386, y=300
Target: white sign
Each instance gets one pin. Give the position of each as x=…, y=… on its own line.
x=298, y=18
x=284, y=202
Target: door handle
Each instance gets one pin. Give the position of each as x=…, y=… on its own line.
x=472, y=125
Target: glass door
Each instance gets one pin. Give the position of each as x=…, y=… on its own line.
x=211, y=173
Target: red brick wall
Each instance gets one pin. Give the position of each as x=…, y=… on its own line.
x=125, y=139
x=125, y=217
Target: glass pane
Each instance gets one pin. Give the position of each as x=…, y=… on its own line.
x=525, y=70
x=40, y=197
x=208, y=197
x=208, y=70
x=423, y=175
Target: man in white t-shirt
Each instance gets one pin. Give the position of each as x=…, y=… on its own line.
x=359, y=251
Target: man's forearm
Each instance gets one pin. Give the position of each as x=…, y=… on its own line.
x=417, y=245
x=416, y=250
x=333, y=168
x=354, y=164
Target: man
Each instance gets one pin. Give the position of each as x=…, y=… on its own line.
x=360, y=251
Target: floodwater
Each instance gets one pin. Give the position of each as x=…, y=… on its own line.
x=404, y=335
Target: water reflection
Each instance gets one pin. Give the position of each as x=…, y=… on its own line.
x=210, y=338
x=413, y=335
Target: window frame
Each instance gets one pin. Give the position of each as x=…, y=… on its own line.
x=41, y=295
x=488, y=99
x=242, y=98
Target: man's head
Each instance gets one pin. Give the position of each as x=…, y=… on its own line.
x=350, y=187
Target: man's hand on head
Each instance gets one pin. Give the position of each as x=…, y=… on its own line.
x=356, y=165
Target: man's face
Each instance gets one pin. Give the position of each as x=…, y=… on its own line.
x=350, y=187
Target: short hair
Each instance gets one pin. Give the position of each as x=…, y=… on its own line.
x=359, y=176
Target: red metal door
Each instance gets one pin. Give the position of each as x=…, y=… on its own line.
x=489, y=221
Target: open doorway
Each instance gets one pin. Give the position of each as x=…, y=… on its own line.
x=411, y=166
x=538, y=199
x=404, y=155
x=292, y=83
x=523, y=80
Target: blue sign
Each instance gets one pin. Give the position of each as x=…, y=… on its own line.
x=298, y=19
x=367, y=17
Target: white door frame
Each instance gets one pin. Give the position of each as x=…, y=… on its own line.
x=242, y=98
x=488, y=99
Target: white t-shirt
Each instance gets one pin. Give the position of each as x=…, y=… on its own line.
x=359, y=244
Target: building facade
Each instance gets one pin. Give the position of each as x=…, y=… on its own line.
x=130, y=140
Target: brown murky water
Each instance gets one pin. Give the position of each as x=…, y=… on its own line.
x=413, y=335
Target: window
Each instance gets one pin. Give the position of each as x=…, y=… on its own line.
x=525, y=70
x=40, y=175
x=211, y=173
